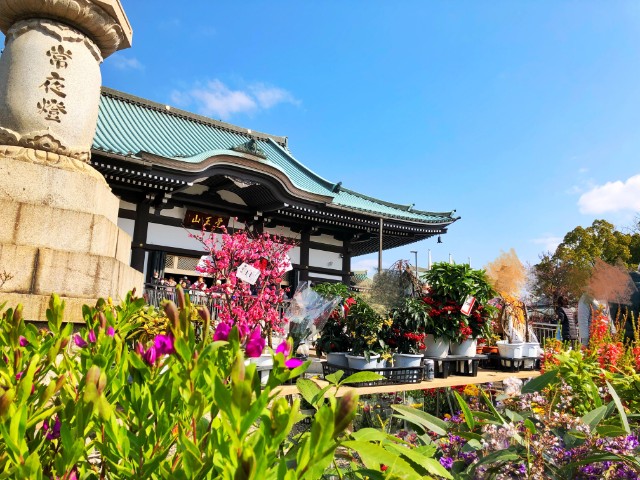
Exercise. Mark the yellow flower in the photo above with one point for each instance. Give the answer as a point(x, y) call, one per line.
point(471, 390)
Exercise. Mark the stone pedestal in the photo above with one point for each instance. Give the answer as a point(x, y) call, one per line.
point(59, 214)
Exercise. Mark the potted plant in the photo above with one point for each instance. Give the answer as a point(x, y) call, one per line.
point(335, 339)
point(250, 304)
point(406, 333)
point(460, 312)
point(364, 325)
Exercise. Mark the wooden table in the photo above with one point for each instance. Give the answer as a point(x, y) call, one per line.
point(484, 376)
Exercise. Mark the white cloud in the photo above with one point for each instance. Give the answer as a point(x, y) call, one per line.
point(270, 96)
point(548, 241)
point(583, 170)
point(215, 99)
point(612, 197)
point(126, 63)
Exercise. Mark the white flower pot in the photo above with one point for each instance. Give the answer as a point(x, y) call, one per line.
point(531, 349)
point(466, 348)
point(407, 360)
point(436, 347)
point(510, 350)
point(360, 363)
point(265, 361)
point(337, 358)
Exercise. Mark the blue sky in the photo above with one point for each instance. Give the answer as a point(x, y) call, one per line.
point(524, 116)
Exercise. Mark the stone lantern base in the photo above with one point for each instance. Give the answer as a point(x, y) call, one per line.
point(61, 234)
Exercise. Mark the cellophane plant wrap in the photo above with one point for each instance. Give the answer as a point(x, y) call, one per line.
point(248, 307)
point(308, 312)
point(334, 336)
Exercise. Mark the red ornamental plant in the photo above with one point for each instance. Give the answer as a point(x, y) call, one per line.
point(253, 309)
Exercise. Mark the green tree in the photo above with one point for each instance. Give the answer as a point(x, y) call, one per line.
point(568, 270)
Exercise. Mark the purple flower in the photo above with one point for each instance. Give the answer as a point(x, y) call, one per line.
point(222, 331)
point(23, 341)
point(255, 344)
point(92, 336)
point(164, 344)
point(151, 355)
point(111, 332)
point(52, 431)
point(19, 375)
point(79, 341)
point(446, 462)
point(293, 363)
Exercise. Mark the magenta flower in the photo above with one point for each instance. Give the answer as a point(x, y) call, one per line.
point(222, 331)
point(284, 348)
point(19, 375)
point(23, 341)
point(52, 431)
point(164, 344)
point(255, 343)
point(92, 336)
point(139, 349)
point(293, 363)
point(111, 332)
point(151, 355)
point(79, 341)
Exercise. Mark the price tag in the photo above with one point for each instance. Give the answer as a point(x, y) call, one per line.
point(287, 264)
point(467, 305)
point(247, 273)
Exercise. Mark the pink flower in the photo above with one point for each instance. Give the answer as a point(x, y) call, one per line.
point(92, 336)
point(53, 431)
point(23, 341)
point(164, 344)
point(255, 344)
point(293, 363)
point(151, 355)
point(111, 332)
point(79, 341)
point(284, 348)
point(139, 349)
point(222, 331)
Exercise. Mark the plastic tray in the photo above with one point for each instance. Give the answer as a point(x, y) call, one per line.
point(392, 375)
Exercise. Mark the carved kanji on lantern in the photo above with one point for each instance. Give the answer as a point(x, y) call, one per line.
point(59, 56)
point(54, 84)
point(52, 109)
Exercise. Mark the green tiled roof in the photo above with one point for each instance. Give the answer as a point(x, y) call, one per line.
point(129, 126)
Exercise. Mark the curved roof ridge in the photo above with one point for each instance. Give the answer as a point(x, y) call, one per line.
point(406, 208)
point(177, 112)
point(327, 183)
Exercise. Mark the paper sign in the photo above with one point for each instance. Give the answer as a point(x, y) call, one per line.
point(247, 273)
point(204, 262)
point(467, 305)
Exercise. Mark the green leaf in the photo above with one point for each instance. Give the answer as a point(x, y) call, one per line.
point(182, 348)
point(623, 416)
point(363, 376)
point(593, 417)
point(538, 383)
point(308, 389)
point(334, 377)
point(422, 419)
point(370, 435)
point(610, 431)
point(426, 461)
point(468, 416)
point(374, 455)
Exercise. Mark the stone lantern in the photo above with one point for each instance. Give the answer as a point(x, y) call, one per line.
point(59, 216)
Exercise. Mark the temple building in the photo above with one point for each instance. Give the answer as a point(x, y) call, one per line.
point(173, 170)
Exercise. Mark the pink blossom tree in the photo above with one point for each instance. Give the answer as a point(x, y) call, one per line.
point(249, 308)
